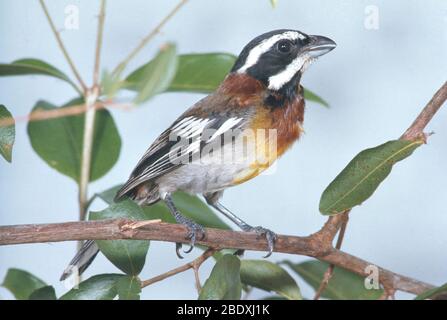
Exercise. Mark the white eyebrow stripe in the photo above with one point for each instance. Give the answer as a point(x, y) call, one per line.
point(278, 80)
point(265, 45)
point(227, 125)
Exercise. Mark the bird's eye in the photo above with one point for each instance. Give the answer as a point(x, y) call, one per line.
point(284, 46)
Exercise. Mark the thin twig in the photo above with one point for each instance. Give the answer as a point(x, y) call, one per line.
point(101, 17)
point(197, 278)
point(195, 265)
point(89, 121)
point(416, 130)
point(41, 115)
point(62, 46)
point(330, 270)
point(147, 38)
point(86, 157)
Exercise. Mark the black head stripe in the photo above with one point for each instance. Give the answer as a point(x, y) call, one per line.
point(252, 44)
point(270, 63)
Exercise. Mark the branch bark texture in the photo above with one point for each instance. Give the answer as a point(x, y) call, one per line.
point(317, 245)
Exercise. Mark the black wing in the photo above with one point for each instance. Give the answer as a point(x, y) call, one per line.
point(169, 150)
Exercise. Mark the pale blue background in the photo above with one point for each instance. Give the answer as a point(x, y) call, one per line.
point(376, 82)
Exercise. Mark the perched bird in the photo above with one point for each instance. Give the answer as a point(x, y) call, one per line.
point(230, 136)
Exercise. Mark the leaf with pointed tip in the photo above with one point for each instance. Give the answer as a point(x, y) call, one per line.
point(7, 134)
point(59, 141)
point(224, 282)
point(21, 283)
point(310, 96)
point(129, 288)
point(439, 293)
point(269, 276)
point(344, 285)
point(99, 287)
point(127, 255)
point(110, 84)
point(363, 175)
point(157, 76)
point(202, 72)
point(44, 293)
point(30, 66)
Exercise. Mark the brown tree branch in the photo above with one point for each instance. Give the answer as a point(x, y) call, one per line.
point(330, 270)
point(416, 130)
point(317, 245)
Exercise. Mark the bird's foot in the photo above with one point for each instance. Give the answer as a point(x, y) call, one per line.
point(269, 235)
point(195, 231)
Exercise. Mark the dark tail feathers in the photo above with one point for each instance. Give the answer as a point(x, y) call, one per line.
point(81, 260)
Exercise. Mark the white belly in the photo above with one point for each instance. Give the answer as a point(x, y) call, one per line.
point(211, 172)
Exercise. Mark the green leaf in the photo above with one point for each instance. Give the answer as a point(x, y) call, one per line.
point(190, 206)
point(7, 134)
point(99, 287)
point(59, 141)
point(202, 72)
point(274, 3)
point(21, 283)
point(310, 96)
point(344, 285)
point(363, 175)
point(32, 66)
point(157, 76)
point(127, 255)
point(129, 288)
point(269, 276)
point(108, 195)
point(224, 282)
point(44, 293)
point(439, 293)
point(110, 84)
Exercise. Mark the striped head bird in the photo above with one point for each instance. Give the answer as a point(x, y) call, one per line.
point(230, 136)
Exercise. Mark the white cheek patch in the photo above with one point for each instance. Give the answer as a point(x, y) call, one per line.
point(300, 63)
point(266, 45)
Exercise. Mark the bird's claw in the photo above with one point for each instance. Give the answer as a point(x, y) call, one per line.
point(269, 235)
point(193, 230)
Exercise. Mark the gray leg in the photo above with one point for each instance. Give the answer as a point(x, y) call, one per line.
point(260, 231)
point(193, 228)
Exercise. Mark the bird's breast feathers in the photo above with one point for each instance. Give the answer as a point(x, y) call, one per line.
point(237, 141)
point(274, 132)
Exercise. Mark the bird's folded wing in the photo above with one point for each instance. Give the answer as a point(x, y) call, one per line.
point(175, 146)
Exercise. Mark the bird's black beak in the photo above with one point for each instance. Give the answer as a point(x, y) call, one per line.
point(319, 46)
